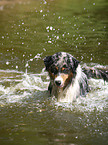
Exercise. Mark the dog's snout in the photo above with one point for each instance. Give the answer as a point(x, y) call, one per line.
point(58, 83)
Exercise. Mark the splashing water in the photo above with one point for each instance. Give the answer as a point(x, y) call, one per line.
point(38, 56)
point(17, 86)
point(20, 85)
point(96, 99)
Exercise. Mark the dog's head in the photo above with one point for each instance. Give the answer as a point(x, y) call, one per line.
point(61, 67)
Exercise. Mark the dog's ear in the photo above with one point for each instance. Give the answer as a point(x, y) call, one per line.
point(48, 61)
point(74, 64)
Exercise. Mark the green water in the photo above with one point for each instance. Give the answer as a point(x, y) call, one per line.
point(30, 30)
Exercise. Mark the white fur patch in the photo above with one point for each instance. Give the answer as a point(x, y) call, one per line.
point(60, 61)
point(59, 78)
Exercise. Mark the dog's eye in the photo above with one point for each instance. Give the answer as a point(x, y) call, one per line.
point(64, 70)
point(54, 70)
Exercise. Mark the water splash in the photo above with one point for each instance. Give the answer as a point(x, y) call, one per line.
point(38, 56)
point(95, 100)
point(17, 86)
point(20, 85)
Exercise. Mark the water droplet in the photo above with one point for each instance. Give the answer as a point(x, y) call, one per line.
point(45, 2)
point(27, 64)
point(51, 28)
point(31, 59)
point(91, 59)
point(16, 66)
point(98, 43)
point(44, 49)
point(7, 63)
point(49, 41)
point(57, 37)
point(41, 11)
point(47, 27)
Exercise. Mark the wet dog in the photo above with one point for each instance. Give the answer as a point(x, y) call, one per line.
point(67, 79)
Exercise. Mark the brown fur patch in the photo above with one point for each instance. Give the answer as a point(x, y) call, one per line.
point(62, 68)
point(56, 67)
point(67, 78)
point(64, 77)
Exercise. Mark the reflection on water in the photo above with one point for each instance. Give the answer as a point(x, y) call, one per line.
point(30, 30)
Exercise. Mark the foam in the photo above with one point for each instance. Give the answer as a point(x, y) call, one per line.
point(22, 86)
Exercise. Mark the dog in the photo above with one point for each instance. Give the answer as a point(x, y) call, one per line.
point(68, 80)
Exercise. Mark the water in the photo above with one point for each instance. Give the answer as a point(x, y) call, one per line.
point(30, 30)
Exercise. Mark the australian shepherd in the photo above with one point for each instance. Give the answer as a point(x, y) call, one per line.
point(68, 80)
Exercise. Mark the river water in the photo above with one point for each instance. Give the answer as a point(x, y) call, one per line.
point(31, 30)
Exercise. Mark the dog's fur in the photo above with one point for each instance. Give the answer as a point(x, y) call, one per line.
point(67, 79)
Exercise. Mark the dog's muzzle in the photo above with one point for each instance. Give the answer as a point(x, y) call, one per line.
point(59, 81)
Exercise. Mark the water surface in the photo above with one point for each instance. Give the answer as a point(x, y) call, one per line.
point(30, 30)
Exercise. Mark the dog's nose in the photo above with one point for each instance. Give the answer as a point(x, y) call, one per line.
point(58, 83)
